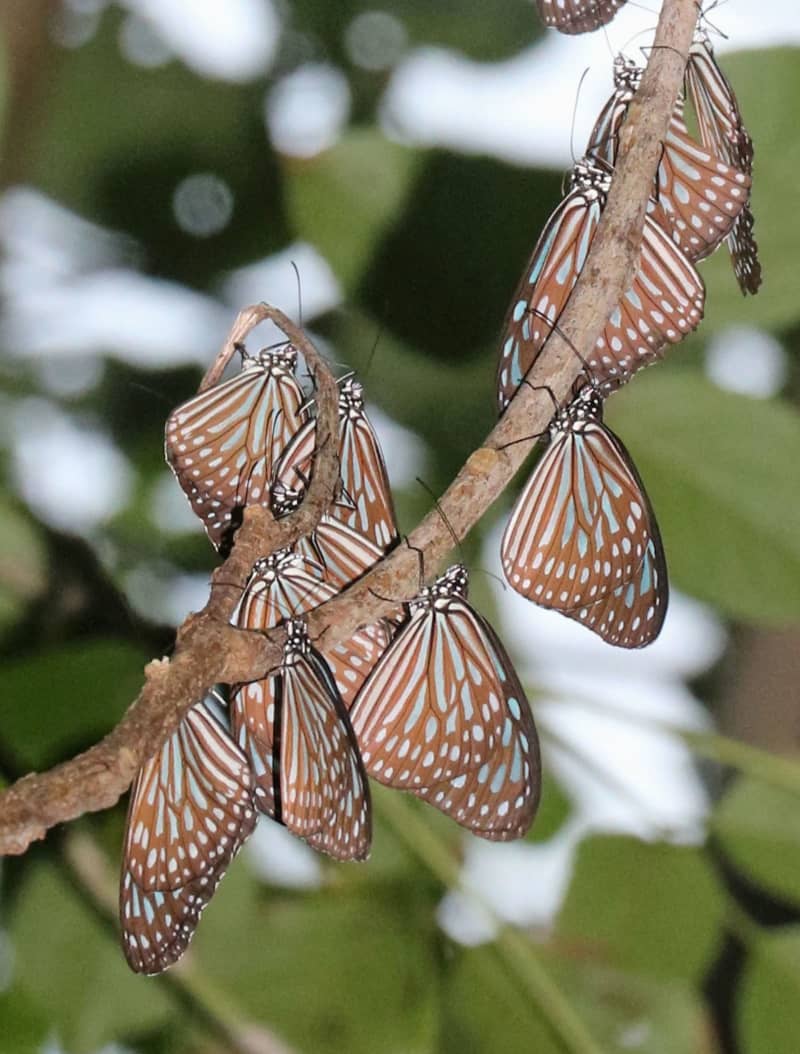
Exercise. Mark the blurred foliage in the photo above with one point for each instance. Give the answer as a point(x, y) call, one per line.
point(426, 245)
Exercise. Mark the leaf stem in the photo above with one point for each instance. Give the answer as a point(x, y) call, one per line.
point(513, 948)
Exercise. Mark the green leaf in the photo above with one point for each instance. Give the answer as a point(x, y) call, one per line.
point(768, 1012)
point(554, 809)
point(56, 701)
point(652, 909)
point(759, 829)
point(721, 471)
point(483, 1010)
point(626, 1011)
point(351, 968)
point(68, 964)
point(442, 277)
point(756, 76)
point(343, 200)
point(25, 1024)
point(484, 29)
point(22, 563)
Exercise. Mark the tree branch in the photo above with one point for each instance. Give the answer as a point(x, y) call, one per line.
point(208, 650)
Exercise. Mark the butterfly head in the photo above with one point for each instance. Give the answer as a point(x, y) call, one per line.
point(627, 76)
point(585, 408)
point(453, 583)
point(351, 398)
point(269, 568)
point(591, 177)
point(284, 499)
point(282, 359)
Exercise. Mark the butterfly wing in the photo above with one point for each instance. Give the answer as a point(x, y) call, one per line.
point(577, 16)
point(189, 803)
point(545, 287)
point(352, 660)
point(281, 587)
point(223, 443)
point(344, 554)
point(665, 302)
point(191, 810)
point(442, 714)
point(369, 508)
point(582, 531)
point(699, 195)
point(309, 776)
point(294, 467)
point(721, 130)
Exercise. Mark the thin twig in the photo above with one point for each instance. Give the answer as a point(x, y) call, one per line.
point(208, 650)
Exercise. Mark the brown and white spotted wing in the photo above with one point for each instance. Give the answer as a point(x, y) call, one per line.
point(722, 130)
point(295, 730)
point(699, 192)
point(665, 302)
point(577, 16)
point(582, 538)
point(223, 444)
point(443, 715)
point(352, 660)
point(190, 812)
point(369, 506)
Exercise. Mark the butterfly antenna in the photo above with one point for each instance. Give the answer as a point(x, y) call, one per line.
point(296, 270)
point(575, 114)
point(442, 514)
point(375, 343)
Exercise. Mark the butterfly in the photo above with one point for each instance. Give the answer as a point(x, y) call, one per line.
point(295, 731)
point(365, 503)
point(343, 553)
point(352, 660)
point(721, 129)
point(191, 809)
point(443, 715)
point(582, 538)
point(223, 444)
point(577, 16)
point(697, 197)
point(663, 304)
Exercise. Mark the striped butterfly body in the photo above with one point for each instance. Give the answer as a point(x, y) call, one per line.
point(664, 303)
point(582, 538)
point(191, 810)
point(719, 122)
point(577, 16)
point(443, 715)
point(223, 444)
point(365, 503)
point(698, 196)
point(295, 731)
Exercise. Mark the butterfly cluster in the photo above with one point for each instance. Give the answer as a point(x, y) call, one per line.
point(427, 701)
point(582, 538)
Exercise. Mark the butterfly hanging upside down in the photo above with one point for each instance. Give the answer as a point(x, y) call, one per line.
point(582, 538)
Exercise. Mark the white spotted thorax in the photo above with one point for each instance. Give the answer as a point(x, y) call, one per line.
point(297, 643)
point(272, 359)
point(627, 76)
point(586, 407)
point(351, 398)
point(453, 583)
point(592, 178)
